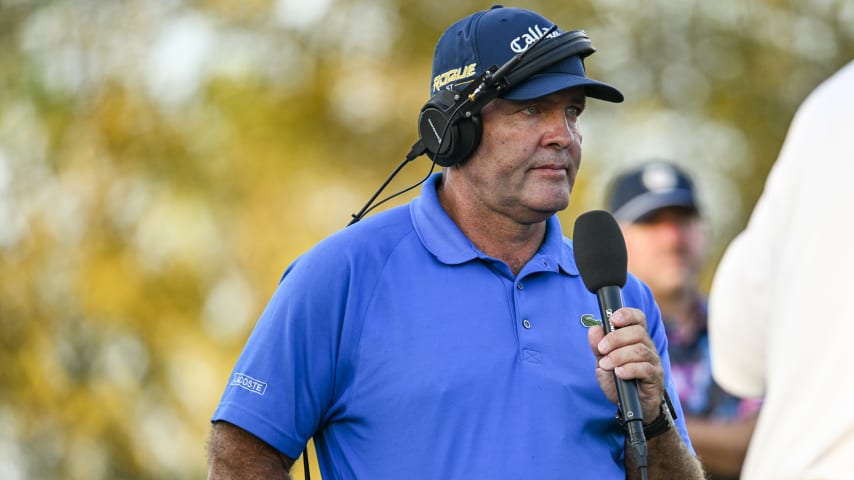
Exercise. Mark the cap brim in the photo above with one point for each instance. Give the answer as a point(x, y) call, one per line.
point(644, 204)
point(544, 84)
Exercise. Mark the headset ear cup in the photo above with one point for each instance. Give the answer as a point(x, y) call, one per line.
point(470, 131)
point(448, 138)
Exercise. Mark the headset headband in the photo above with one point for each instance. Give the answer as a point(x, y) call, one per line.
point(548, 52)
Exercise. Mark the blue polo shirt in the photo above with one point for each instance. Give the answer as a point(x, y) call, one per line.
point(408, 353)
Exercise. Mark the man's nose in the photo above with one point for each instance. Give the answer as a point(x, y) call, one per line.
point(561, 130)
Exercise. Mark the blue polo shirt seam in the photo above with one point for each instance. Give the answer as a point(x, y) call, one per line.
point(361, 318)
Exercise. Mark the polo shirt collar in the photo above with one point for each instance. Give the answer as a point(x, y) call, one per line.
point(441, 236)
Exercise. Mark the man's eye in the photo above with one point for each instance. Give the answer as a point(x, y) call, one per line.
point(573, 111)
point(530, 110)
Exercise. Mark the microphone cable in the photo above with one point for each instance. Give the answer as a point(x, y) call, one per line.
point(416, 151)
point(411, 156)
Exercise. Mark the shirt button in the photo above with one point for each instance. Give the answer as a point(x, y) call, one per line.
point(519, 286)
point(526, 324)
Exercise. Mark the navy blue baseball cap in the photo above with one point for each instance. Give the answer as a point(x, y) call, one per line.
point(494, 36)
point(641, 191)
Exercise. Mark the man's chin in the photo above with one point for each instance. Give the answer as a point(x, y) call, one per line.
point(552, 206)
point(543, 212)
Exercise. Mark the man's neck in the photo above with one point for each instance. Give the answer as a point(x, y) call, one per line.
point(514, 246)
point(494, 234)
point(678, 308)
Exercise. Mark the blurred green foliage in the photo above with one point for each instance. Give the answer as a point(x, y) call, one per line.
point(162, 162)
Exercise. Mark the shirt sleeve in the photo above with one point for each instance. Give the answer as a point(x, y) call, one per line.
point(286, 381)
point(740, 307)
point(735, 343)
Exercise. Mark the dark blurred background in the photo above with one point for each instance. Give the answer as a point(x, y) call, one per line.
point(161, 162)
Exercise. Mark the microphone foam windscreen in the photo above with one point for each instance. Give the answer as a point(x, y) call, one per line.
point(600, 251)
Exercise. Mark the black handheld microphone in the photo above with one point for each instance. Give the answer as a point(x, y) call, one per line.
point(600, 253)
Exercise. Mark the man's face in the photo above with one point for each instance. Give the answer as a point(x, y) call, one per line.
point(667, 249)
point(529, 155)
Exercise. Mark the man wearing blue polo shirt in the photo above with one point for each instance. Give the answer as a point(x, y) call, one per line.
point(451, 338)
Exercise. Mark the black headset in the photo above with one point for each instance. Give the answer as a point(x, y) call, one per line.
point(449, 126)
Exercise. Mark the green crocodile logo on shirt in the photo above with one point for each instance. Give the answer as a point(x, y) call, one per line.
point(588, 320)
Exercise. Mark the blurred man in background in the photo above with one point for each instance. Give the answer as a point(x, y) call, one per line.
point(667, 240)
point(779, 321)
